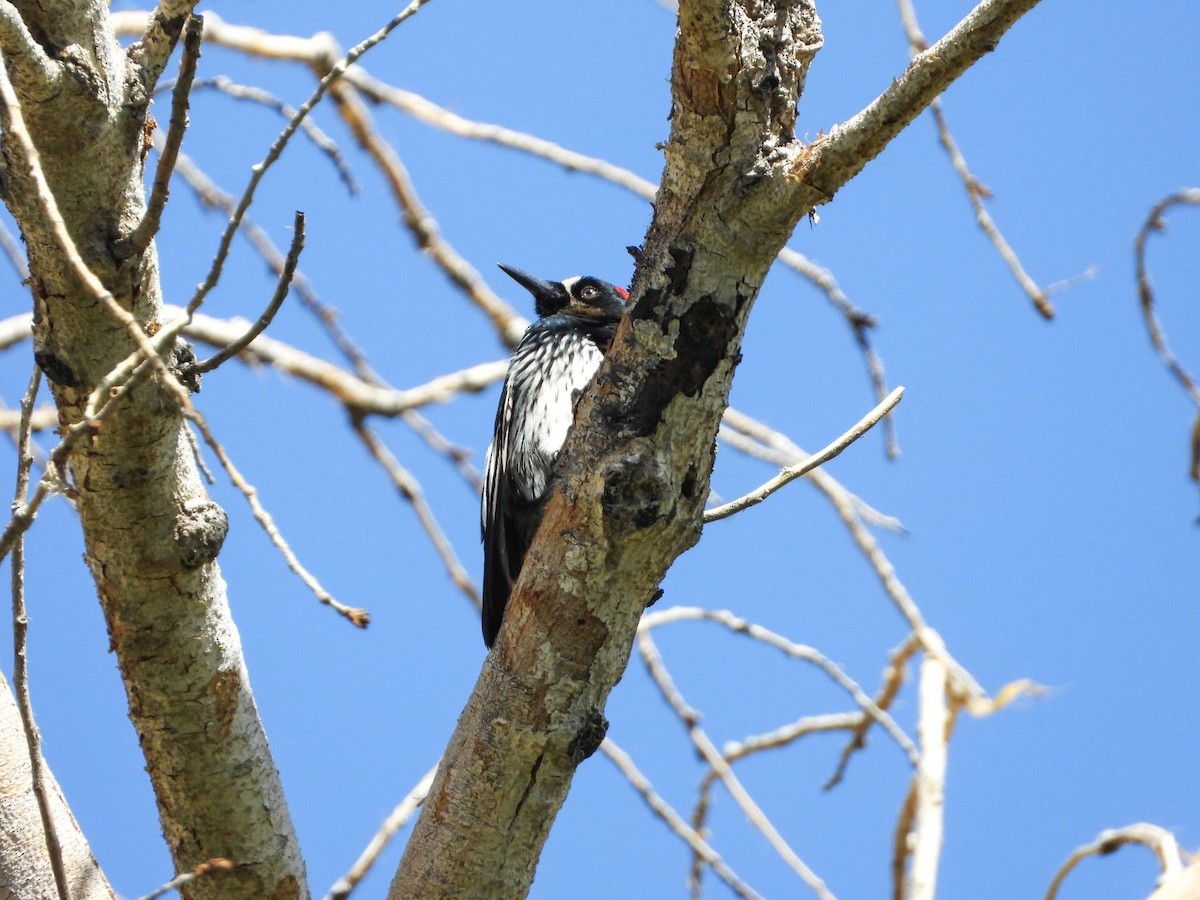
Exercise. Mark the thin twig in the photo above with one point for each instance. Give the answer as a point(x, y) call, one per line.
point(410, 489)
point(735, 750)
point(1154, 837)
point(358, 396)
point(281, 291)
point(861, 323)
point(893, 680)
point(436, 441)
point(756, 632)
point(976, 191)
point(151, 53)
point(791, 473)
point(420, 222)
point(793, 731)
point(212, 196)
point(701, 849)
point(691, 719)
point(198, 455)
point(208, 867)
point(260, 169)
point(358, 617)
point(1154, 222)
point(320, 139)
point(398, 818)
point(20, 620)
point(1071, 280)
point(140, 238)
point(757, 439)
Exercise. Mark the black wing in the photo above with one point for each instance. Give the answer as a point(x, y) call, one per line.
point(508, 522)
point(496, 496)
point(515, 490)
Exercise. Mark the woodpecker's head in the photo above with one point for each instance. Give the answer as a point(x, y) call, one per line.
point(580, 295)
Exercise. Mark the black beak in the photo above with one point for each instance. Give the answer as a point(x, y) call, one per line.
point(549, 297)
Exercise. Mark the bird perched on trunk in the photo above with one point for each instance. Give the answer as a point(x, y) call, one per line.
point(557, 357)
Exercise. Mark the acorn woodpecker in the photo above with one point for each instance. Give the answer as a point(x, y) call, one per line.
point(555, 360)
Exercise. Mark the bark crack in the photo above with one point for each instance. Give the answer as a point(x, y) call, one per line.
point(529, 786)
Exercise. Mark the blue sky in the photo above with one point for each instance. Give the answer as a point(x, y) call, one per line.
point(1051, 527)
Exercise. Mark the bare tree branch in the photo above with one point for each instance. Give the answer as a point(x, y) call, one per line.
point(923, 842)
point(410, 489)
point(421, 224)
point(398, 818)
point(712, 756)
point(41, 76)
point(1155, 838)
point(137, 242)
point(209, 867)
point(276, 150)
point(233, 348)
point(151, 53)
point(360, 397)
point(791, 473)
point(327, 145)
point(738, 625)
point(976, 191)
point(831, 161)
point(20, 618)
point(702, 851)
point(1146, 294)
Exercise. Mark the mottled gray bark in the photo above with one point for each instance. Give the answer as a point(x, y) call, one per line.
point(635, 473)
point(151, 533)
point(25, 868)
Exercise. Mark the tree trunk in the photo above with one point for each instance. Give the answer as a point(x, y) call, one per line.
point(151, 533)
point(634, 476)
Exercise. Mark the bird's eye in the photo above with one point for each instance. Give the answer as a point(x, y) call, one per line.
point(588, 293)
